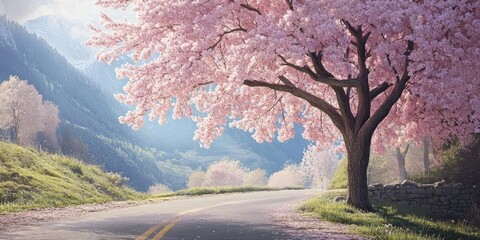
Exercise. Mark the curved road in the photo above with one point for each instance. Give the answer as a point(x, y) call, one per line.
point(228, 216)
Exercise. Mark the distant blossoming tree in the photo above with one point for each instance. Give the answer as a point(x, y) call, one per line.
point(227, 173)
point(319, 166)
point(339, 68)
point(23, 114)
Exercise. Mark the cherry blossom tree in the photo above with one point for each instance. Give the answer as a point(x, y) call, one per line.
point(339, 68)
point(23, 114)
point(20, 105)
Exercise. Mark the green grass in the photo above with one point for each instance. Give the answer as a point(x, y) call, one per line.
point(30, 179)
point(204, 191)
point(388, 222)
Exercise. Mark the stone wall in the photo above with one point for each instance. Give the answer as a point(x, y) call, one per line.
point(451, 200)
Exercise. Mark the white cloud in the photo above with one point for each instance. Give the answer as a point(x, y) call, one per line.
point(77, 12)
point(20, 10)
point(80, 11)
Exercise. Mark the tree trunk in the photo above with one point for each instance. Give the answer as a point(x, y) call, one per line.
point(426, 159)
point(401, 162)
point(358, 151)
point(14, 134)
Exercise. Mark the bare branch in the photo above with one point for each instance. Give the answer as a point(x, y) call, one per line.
point(379, 90)
point(202, 84)
point(396, 93)
point(318, 65)
point(349, 26)
point(327, 80)
point(250, 8)
point(404, 153)
point(313, 100)
point(290, 4)
point(286, 81)
point(393, 67)
point(225, 33)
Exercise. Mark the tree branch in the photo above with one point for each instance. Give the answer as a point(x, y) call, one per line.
point(349, 26)
point(318, 65)
point(250, 8)
point(393, 67)
point(344, 106)
point(404, 153)
point(364, 102)
point(290, 4)
point(202, 84)
point(379, 90)
point(313, 100)
point(396, 93)
point(326, 80)
point(286, 81)
point(225, 33)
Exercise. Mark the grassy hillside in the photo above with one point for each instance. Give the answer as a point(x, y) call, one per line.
point(32, 179)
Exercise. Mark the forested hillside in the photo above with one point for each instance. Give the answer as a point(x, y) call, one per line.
point(89, 124)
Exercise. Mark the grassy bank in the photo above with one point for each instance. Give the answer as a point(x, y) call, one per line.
point(388, 222)
point(204, 191)
point(30, 179)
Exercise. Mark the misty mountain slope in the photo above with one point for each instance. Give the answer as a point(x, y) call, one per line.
point(85, 111)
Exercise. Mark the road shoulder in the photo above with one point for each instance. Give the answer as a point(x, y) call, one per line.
point(304, 226)
point(11, 221)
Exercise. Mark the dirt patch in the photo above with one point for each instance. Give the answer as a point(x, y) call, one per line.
point(303, 226)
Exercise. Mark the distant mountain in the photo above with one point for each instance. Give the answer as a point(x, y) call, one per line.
point(174, 138)
point(63, 36)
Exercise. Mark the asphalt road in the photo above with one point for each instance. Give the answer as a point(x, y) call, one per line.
point(229, 216)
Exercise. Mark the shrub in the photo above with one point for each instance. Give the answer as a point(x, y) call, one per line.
point(256, 178)
point(117, 179)
point(289, 176)
point(224, 173)
point(196, 179)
